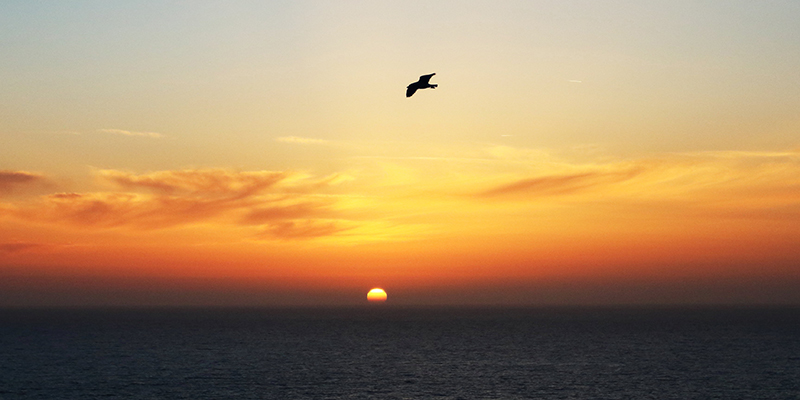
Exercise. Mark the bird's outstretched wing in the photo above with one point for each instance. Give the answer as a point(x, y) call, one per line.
point(424, 79)
point(411, 89)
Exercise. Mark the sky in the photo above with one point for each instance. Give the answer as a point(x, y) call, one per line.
point(242, 153)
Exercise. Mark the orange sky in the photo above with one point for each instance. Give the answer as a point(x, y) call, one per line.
point(250, 154)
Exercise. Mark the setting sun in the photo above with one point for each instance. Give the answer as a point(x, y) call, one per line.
point(376, 295)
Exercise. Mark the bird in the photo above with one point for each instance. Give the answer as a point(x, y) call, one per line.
point(422, 83)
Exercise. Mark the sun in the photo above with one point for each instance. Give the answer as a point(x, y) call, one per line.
point(376, 295)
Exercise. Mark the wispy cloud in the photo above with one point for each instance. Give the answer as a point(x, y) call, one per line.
point(130, 133)
point(412, 197)
point(198, 182)
point(304, 229)
point(560, 184)
point(274, 201)
point(300, 140)
point(285, 212)
point(11, 179)
point(714, 184)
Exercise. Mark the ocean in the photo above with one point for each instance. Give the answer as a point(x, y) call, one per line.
point(401, 353)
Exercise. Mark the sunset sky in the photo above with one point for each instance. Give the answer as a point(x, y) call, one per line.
point(264, 153)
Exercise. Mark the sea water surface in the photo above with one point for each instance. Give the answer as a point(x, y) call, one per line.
point(401, 353)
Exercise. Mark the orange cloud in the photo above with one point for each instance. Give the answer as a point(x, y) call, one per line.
point(257, 216)
point(560, 184)
point(200, 183)
point(12, 179)
point(282, 202)
point(303, 229)
point(720, 183)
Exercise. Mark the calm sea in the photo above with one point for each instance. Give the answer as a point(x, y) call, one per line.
point(390, 353)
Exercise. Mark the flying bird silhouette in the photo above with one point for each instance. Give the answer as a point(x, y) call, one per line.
point(422, 83)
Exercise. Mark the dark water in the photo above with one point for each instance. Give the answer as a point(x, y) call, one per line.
point(401, 354)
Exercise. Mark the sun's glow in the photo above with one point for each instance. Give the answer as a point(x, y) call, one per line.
point(376, 295)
